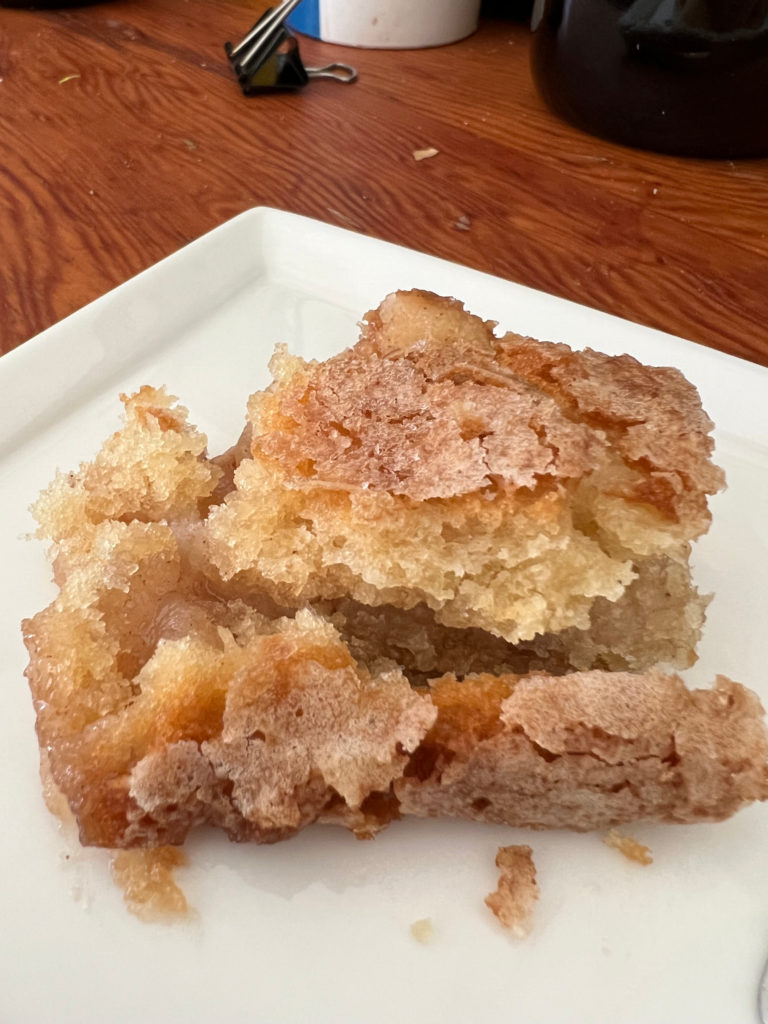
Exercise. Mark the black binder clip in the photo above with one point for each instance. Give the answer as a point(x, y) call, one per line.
point(268, 58)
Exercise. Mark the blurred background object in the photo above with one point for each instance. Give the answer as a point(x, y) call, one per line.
point(387, 24)
point(677, 76)
point(513, 10)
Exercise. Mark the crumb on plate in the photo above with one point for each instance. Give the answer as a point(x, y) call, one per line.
point(629, 847)
point(146, 878)
point(423, 931)
point(514, 899)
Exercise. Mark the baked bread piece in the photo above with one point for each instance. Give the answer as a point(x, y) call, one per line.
point(168, 698)
point(506, 485)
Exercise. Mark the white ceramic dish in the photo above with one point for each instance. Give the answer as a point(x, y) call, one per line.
point(317, 929)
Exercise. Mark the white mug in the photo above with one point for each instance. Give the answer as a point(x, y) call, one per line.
point(387, 24)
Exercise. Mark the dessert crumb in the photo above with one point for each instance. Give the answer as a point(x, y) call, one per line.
point(629, 847)
point(146, 878)
point(518, 891)
point(423, 931)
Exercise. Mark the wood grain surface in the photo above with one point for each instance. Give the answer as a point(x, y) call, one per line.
point(123, 135)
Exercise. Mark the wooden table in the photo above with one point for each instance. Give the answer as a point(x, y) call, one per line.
point(123, 135)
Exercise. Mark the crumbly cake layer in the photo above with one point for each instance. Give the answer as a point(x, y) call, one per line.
point(163, 707)
point(657, 620)
point(504, 484)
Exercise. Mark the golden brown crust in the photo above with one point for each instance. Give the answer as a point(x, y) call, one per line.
point(588, 750)
point(164, 707)
point(652, 415)
point(159, 717)
point(391, 425)
point(407, 319)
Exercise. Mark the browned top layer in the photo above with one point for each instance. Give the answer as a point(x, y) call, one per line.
point(429, 404)
point(652, 414)
point(388, 424)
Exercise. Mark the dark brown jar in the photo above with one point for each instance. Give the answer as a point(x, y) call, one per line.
point(676, 76)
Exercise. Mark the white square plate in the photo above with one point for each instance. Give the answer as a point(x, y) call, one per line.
point(318, 929)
